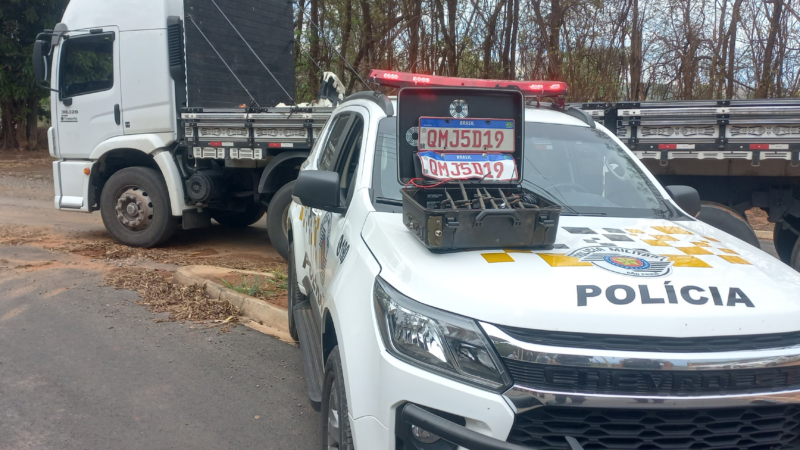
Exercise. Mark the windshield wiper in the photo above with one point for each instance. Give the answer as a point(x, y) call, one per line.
point(545, 194)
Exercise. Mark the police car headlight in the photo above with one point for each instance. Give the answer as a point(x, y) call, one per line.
point(436, 340)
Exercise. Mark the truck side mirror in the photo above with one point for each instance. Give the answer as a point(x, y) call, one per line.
point(41, 50)
point(318, 189)
point(686, 197)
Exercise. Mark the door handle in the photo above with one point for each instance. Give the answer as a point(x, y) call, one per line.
point(117, 114)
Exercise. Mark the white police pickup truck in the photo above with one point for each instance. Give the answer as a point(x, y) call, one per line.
point(638, 327)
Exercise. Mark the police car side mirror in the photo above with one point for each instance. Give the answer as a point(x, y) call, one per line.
point(686, 197)
point(40, 69)
point(318, 189)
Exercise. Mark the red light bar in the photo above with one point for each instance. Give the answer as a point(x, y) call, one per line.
point(391, 78)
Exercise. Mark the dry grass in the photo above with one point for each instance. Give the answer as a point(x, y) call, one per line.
point(183, 303)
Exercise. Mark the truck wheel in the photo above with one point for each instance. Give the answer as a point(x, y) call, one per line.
point(135, 208)
point(336, 433)
point(720, 216)
point(252, 213)
point(277, 214)
point(784, 241)
point(294, 295)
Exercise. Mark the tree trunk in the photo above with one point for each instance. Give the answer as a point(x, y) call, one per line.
point(298, 27)
point(554, 44)
point(512, 74)
point(32, 122)
point(413, 32)
point(348, 26)
point(488, 43)
point(507, 41)
point(732, 47)
point(636, 55)
point(368, 32)
point(768, 73)
point(313, 76)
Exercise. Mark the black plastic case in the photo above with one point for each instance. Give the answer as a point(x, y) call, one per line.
point(498, 221)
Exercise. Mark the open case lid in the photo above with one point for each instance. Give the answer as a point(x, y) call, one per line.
point(459, 106)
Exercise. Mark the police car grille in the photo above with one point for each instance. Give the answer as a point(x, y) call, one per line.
point(752, 428)
point(652, 343)
point(662, 383)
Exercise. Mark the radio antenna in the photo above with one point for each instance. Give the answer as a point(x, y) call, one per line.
point(223, 60)
point(334, 49)
point(252, 51)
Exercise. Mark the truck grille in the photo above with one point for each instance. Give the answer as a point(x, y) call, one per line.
point(653, 343)
point(641, 381)
point(749, 428)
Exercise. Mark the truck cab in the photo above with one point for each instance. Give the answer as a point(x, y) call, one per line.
point(159, 122)
point(638, 326)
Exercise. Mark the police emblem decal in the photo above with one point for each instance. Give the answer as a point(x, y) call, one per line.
point(625, 261)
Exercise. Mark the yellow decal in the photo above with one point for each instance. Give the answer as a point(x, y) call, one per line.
point(727, 250)
point(556, 260)
point(734, 259)
point(656, 242)
point(634, 231)
point(694, 250)
point(302, 212)
point(710, 239)
point(511, 250)
point(497, 257)
point(663, 237)
point(687, 261)
point(701, 244)
point(672, 230)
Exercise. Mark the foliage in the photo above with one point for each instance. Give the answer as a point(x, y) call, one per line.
point(20, 22)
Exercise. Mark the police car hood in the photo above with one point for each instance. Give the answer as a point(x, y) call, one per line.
point(604, 275)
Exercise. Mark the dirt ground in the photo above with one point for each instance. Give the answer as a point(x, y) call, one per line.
point(28, 217)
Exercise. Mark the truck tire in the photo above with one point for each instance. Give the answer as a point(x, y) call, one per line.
point(294, 296)
point(252, 213)
point(277, 213)
point(135, 208)
point(336, 432)
point(720, 216)
point(784, 241)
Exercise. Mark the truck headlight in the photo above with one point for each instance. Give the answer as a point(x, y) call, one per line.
point(436, 340)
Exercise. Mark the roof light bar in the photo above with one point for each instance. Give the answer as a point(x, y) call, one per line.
point(391, 78)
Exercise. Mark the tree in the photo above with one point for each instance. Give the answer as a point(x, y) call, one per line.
point(20, 22)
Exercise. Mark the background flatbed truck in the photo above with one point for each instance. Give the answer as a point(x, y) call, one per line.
point(738, 154)
point(162, 114)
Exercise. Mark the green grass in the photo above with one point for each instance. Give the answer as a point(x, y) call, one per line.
point(258, 286)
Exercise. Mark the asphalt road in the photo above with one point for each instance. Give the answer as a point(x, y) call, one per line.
point(83, 367)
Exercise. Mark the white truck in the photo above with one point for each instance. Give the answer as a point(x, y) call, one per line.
point(638, 327)
point(163, 114)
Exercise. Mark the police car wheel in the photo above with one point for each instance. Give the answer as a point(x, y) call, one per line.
point(135, 207)
point(336, 432)
point(294, 296)
point(726, 219)
point(277, 213)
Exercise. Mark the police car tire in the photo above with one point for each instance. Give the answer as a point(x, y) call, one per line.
point(334, 376)
point(720, 216)
point(150, 181)
point(275, 228)
point(252, 213)
point(784, 241)
point(294, 296)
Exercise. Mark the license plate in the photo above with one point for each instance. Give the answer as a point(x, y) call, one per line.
point(454, 166)
point(466, 135)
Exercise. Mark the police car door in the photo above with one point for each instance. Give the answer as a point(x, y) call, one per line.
point(341, 154)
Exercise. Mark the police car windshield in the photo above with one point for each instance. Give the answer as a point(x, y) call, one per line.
point(578, 167)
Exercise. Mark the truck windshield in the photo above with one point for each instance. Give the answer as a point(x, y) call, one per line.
point(582, 169)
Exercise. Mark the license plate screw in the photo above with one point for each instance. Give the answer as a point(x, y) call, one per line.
point(438, 233)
